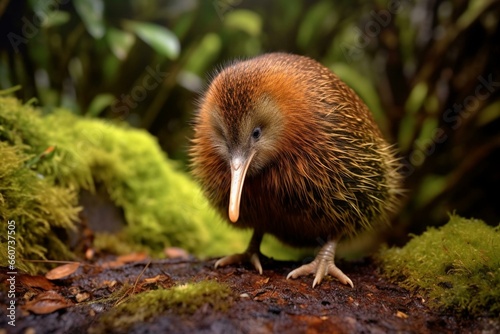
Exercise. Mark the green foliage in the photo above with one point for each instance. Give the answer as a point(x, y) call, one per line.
point(244, 20)
point(162, 40)
point(181, 299)
point(91, 13)
point(457, 266)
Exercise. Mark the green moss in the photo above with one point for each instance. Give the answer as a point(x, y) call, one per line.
point(457, 266)
point(20, 126)
point(41, 212)
point(181, 299)
point(157, 200)
point(162, 205)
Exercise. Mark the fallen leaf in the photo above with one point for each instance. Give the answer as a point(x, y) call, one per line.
point(47, 302)
point(401, 315)
point(30, 294)
point(49, 150)
point(124, 259)
point(161, 280)
point(133, 257)
point(37, 281)
point(80, 297)
point(62, 271)
point(152, 279)
point(30, 330)
point(89, 253)
point(109, 284)
point(176, 253)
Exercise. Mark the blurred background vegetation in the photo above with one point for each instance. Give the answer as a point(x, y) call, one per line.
point(427, 69)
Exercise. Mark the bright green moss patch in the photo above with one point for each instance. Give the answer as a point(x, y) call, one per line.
point(457, 266)
point(161, 205)
point(181, 299)
point(39, 212)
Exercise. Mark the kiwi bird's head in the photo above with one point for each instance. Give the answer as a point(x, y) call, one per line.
point(251, 114)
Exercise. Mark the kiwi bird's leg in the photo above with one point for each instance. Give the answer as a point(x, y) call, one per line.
point(250, 255)
point(322, 265)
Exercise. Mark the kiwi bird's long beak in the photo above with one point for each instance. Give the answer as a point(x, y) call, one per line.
point(239, 167)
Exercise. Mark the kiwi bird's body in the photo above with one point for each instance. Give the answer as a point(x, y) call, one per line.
point(284, 146)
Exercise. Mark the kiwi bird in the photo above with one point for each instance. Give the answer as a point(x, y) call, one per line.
point(282, 146)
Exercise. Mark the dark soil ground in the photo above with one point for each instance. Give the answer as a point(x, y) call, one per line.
point(265, 303)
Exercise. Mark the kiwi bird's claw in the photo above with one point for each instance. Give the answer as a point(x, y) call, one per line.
point(252, 254)
point(306, 269)
point(334, 271)
point(253, 258)
point(320, 268)
point(322, 265)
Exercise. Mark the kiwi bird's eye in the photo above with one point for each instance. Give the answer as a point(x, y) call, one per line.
point(218, 130)
point(256, 133)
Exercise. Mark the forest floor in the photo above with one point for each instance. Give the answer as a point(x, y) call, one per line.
point(267, 303)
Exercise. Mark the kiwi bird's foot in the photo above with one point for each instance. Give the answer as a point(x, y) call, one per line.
point(252, 257)
point(322, 265)
point(252, 254)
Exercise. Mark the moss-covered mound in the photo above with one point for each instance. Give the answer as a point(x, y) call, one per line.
point(181, 299)
point(457, 266)
point(161, 205)
point(36, 211)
